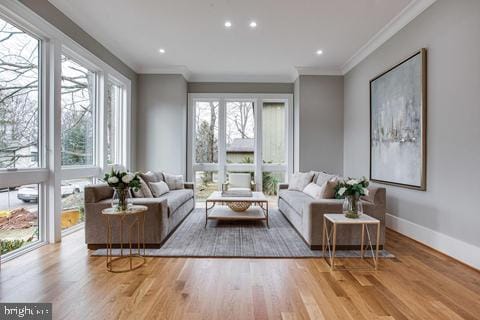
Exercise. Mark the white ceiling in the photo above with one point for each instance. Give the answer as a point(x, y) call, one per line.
point(288, 34)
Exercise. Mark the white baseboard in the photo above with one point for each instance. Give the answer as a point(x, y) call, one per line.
point(457, 249)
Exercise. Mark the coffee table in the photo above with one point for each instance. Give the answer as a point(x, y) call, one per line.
point(215, 208)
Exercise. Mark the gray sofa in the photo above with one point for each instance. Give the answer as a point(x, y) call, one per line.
point(306, 215)
point(164, 214)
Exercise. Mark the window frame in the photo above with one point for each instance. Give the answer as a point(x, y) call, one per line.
point(10, 177)
point(53, 42)
point(257, 167)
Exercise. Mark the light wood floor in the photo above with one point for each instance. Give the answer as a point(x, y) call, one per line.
point(419, 284)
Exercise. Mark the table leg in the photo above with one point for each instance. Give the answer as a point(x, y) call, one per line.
point(324, 236)
point(332, 261)
point(206, 213)
point(109, 244)
point(268, 225)
point(378, 246)
point(121, 236)
point(362, 241)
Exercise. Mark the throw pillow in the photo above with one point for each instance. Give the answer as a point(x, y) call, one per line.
point(144, 191)
point(151, 176)
point(174, 182)
point(328, 189)
point(323, 177)
point(313, 190)
point(299, 181)
point(158, 188)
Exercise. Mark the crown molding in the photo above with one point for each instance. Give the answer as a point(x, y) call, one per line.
point(183, 70)
point(315, 71)
point(410, 12)
point(280, 78)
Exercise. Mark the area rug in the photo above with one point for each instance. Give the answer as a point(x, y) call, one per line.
point(249, 239)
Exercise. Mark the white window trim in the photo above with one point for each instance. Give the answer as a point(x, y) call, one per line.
point(258, 165)
point(54, 42)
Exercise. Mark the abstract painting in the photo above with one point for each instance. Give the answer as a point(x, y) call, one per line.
point(398, 124)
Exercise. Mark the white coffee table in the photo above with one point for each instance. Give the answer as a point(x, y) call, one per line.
point(215, 208)
point(331, 236)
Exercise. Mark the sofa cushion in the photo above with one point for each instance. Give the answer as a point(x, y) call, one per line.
point(296, 199)
point(158, 188)
point(313, 190)
point(144, 190)
point(176, 198)
point(174, 182)
point(151, 176)
point(322, 177)
point(300, 180)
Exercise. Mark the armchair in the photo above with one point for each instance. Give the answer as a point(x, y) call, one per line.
point(239, 181)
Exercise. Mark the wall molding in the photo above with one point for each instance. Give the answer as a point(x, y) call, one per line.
point(410, 12)
point(183, 70)
point(457, 249)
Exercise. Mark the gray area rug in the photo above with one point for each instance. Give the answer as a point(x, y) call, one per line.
point(238, 239)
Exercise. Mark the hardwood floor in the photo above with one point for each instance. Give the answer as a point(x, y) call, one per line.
point(418, 284)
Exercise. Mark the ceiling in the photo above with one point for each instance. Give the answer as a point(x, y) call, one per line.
point(287, 36)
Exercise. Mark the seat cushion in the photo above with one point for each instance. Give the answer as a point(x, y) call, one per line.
point(176, 198)
point(296, 199)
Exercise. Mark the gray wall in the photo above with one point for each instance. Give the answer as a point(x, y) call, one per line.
point(318, 119)
point(55, 17)
point(162, 123)
point(450, 31)
point(239, 87)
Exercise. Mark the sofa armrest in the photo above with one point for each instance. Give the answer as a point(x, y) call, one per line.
point(189, 185)
point(282, 186)
point(97, 192)
point(156, 221)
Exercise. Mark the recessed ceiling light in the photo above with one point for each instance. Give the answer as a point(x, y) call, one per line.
point(228, 24)
point(162, 51)
point(253, 24)
point(319, 52)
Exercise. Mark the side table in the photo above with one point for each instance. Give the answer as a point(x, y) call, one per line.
point(137, 213)
point(331, 236)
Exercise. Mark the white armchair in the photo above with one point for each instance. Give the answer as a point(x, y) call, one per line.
point(239, 181)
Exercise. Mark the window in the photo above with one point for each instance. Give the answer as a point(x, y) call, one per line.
point(19, 216)
point(19, 98)
point(206, 182)
point(115, 121)
point(206, 132)
point(73, 210)
point(78, 117)
point(230, 135)
point(91, 131)
point(240, 132)
point(274, 132)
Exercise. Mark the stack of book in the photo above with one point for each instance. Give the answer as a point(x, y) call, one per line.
point(236, 193)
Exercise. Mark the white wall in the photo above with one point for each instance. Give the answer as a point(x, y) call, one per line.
point(449, 209)
point(162, 123)
point(318, 123)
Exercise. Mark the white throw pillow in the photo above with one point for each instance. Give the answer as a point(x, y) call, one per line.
point(174, 182)
point(313, 190)
point(158, 188)
point(299, 180)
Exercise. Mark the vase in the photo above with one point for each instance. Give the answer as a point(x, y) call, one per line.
point(120, 199)
point(352, 207)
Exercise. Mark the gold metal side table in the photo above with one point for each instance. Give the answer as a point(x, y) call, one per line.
point(329, 238)
point(137, 213)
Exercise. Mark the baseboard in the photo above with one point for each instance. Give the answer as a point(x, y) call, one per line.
point(457, 249)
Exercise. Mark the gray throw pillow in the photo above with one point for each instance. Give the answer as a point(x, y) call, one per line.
point(323, 177)
point(174, 182)
point(144, 191)
point(298, 181)
point(158, 188)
